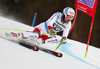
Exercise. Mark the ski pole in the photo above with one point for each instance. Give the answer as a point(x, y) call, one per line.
point(14, 29)
point(22, 30)
point(58, 46)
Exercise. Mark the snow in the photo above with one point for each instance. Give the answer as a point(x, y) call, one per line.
point(14, 56)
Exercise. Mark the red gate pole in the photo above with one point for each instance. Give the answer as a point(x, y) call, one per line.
point(89, 37)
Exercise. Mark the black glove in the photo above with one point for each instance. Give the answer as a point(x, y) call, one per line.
point(52, 32)
point(63, 40)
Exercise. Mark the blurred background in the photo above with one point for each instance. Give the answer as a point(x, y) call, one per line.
point(24, 10)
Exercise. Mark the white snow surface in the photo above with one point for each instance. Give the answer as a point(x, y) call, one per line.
point(14, 56)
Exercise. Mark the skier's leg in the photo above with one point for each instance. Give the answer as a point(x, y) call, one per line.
point(51, 40)
point(48, 39)
point(30, 34)
point(25, 35)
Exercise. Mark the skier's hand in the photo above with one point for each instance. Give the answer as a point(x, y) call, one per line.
point(52, 32)
point(63, 40)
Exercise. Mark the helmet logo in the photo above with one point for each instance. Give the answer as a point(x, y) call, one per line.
point(71, 13)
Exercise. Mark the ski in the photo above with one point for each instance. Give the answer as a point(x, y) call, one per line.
point(33, 47)
point(57, 54)
point(36, 48)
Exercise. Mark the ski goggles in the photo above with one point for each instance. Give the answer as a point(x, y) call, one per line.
point(69, 17)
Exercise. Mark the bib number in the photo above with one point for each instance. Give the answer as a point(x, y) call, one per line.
point(56, 27)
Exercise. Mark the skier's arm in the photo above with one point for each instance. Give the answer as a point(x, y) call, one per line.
point(66, 30)
point(65, 33)
point(50, 22)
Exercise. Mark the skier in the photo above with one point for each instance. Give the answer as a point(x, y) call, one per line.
point(56, 23)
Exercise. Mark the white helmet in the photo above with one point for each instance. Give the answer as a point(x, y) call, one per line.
point(68, 11)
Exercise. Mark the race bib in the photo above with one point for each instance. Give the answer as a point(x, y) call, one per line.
point(57, 27)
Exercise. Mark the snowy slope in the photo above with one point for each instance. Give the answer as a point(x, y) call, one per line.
point(14, 56)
